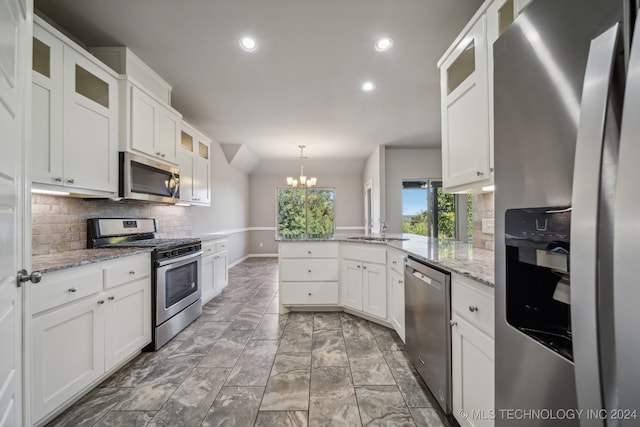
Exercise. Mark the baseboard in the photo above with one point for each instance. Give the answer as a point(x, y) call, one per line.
point(246, 257)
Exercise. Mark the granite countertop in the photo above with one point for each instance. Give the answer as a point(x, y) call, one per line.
point(68, 259)
point(450, 255)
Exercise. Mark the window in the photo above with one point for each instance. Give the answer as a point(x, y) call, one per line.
point(305, 212)
point(428, 211)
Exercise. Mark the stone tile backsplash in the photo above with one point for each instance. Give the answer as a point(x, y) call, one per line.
point(60, 223)
point(482, 209)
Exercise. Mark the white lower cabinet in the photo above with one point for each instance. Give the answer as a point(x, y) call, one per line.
point(395, 268)
point(472, 352)
point(67, 353)
point(364, 283)
point(309, 273)
point(214, 269)
point(85, 322)
point(396, 303)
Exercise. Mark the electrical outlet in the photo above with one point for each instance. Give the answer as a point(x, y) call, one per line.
point(488, 226)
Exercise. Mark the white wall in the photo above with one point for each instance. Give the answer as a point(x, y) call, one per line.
point(229, 210)
point(374, 171)
point(407, 164)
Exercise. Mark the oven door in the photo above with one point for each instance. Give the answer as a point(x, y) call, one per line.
point(178, 285)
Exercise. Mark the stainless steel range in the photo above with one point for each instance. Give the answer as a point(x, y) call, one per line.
point(177, 267)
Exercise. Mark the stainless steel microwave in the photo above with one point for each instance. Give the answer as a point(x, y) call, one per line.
point(148, 180)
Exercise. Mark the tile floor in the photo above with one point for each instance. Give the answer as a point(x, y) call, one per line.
point(244, 364)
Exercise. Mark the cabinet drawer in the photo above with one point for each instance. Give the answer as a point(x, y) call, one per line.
point(62, 287)
point(208, 248)
point(396, 261)
point(309, 250)
point(221, 246)
point(309, 293)
point(366, 253)
point(308, 270)
point(473, 303)
point(127, 270)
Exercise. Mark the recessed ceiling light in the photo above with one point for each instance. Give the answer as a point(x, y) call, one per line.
point(368, 86)
point(248, 44)
point(383, 44)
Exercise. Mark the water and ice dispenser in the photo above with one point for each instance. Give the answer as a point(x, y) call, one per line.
point(538, 275)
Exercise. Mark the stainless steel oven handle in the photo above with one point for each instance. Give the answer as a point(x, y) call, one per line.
point(180, 259)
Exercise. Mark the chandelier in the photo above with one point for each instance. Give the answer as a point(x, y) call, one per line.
point(303, 181)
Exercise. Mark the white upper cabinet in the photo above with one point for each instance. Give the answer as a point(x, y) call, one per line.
point(154, 126)
point(74, 116)
point(466, 87)
point(465, 111)
point(195, 166)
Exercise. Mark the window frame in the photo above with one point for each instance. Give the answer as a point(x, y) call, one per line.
point(306, 210)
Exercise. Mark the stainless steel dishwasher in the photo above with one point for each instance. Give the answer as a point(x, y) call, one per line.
point(428, 333)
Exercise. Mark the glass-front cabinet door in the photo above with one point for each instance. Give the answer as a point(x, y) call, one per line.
point(465, 112)
point(46, 94)
point(90, 124)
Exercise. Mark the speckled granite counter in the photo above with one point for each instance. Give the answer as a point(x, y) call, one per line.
point(450, 255)
point(61, 260)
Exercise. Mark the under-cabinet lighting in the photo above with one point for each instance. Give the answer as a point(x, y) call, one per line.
point(49, 192)
point(489, 188)
point(183, 204)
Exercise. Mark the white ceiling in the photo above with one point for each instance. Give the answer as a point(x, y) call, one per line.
point(303, 84)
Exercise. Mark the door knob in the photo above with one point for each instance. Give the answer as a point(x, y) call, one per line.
point(24, 276)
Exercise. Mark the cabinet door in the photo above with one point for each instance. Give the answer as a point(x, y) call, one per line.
point(472, 370)
point(352, 284)
point(168, 135)
point(67, 354)
point(144, 122)
point(500, 15)
point(128, 320)
point(396, 306)
point(90, 125)
point(186, 161)
point(465, 111)
point(374, 284)
point(220, 269)
point(201, 185)
point(207, 278)
point(46, 95)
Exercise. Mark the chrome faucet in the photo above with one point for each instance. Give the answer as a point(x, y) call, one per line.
point(383, 228)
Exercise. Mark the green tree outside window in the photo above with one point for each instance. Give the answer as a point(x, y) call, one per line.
point(306, 212)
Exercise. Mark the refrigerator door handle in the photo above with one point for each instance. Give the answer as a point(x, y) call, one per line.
point(626, 292)
point(584, 221)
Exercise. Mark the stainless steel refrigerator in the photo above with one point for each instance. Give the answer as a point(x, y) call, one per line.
point(567, 208)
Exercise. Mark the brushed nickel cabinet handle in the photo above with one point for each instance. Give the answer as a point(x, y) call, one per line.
point(72, 290)
point(473, 308)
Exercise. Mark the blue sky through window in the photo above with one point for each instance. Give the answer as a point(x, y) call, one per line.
point(414, 201)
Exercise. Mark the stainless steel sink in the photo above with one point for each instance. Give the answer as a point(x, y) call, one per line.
point(376, 239)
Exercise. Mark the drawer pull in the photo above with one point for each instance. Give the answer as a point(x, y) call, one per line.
point(309, 293)
point(132, 272)
point(111, 298)
point(309, 252)
point(309, 271)
point(394, 262)
point(74, 289)
point(364, 267)
point(101, 301)
point(453, 323)
point(401, 281)
point(473, 308)
point(358, 266)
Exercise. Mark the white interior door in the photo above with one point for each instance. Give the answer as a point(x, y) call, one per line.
point(14, 63)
